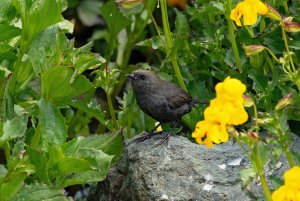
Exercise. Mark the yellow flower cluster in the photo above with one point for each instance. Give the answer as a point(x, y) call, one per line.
point(249, 10)
point(226, 109)
point(290, 191)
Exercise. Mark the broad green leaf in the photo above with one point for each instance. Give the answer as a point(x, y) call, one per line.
point(59, 85)
point(44, 51)
point(247, 175)
point(4, 8)
point(153, 42)
point(92, 109)
point(8, 32)
point(114, 19)
point(72, 165)
point(71, 147)
point(11, 187)
point(53, 127)
point(40, 162)
point(18, 170)
point(42, 14)
point(181, 24)
point(260, 81)
point(25, 74)
point(3, 171)
point(111, 144)
point(99, 163)
point(14, 128)
point(88, 12)
point(41, 192)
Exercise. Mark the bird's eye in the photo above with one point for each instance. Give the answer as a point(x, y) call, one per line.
point(143, 77)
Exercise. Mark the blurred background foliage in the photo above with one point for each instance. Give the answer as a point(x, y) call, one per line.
point(66, 106)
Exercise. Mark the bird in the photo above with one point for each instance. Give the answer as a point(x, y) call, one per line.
point(162, 100)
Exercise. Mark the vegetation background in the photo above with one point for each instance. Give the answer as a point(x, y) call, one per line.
point(66, 107)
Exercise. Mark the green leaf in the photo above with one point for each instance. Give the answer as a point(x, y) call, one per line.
point(88, 12)
point(4, 9)
point(114, 19)
point(58, 85)
point(3, 171)
point(99, 163)
point(72, 165)
point(8, 32)
point(111, 144)
point(40, 162)
point(247, 175)
point(153, 42)
point(14, 128)
point(18, 170)
point(181, 24)
point(42, 14)
point(53, 127)
point(44, 50)
point(10, 188)
point(41, 192)
point(92, 109)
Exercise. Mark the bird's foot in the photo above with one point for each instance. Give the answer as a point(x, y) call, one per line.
point(165, 139)
point(147, 136)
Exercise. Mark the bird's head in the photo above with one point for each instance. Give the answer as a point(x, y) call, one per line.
point(143, 80)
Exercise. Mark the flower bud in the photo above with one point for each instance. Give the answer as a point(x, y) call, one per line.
point(251, 50)
point(248, 101)
point(284, 102)
point(290, 26)
point(128, 3)
point(253, 135)
point(273, 13)
point(179, 3)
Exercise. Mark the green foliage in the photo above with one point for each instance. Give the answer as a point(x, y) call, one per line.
point(49, 102)
point(41, 78)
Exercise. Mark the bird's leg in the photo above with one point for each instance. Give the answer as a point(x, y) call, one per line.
point(166, 139)
point(149, 135)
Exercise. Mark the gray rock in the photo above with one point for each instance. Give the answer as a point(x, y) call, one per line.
point(180, 171)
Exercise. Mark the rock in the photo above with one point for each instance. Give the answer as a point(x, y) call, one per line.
point(180, 171)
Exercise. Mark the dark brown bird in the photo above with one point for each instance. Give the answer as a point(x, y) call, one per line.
point(162, 100)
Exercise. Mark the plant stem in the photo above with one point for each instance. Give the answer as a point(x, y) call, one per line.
point(156, 26)
point(265, 186)
point(272, 54)
point(287, 49)
point(259, 167)
point(232, 38)
point(169, 43)
point(111, 110)
point(7, 151)
point(289, 156)
point(257, 160)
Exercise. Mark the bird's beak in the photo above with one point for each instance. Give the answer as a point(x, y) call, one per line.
point(131, 76)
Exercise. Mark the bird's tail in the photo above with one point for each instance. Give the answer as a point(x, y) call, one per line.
point(196, 102)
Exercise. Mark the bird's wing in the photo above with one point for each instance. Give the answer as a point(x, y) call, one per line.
point(175, 96)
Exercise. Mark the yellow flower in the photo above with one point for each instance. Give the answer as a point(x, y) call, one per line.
point(180, 3)
point(284, 193)
point(159, 129)
point(209, 132)
point(249, 10)
point(226, 112)
point(231, 90)
point(292, 178)
point(290, 191)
